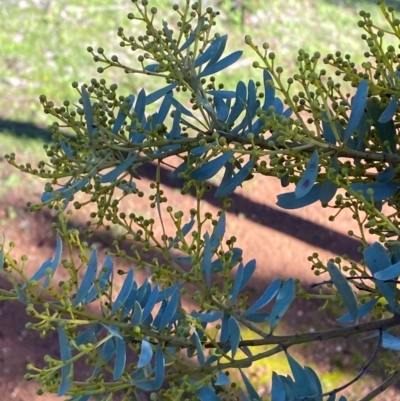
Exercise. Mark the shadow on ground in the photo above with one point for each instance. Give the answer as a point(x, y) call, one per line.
point(25, 130)
point(42, 241)
point(307, 231)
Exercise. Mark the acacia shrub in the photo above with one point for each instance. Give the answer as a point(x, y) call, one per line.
point(317, 139)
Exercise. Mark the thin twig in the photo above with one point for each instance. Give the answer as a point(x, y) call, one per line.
point(353, 278)
point(283, 341)
point(394, 378)
point(336, 390)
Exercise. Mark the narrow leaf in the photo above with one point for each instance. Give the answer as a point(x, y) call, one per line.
point(168, 33)
point(266, 297)
point(278, 392)
point(209, 169)
point(208, 53)
point(258, 317)
point(199, 150)
point(344, 289)
point(219, 49)
point(137, 314)
point(207, 317)
point(160, 313)
point(252, 104)
point(382, 190)
point(269, 95)
point(386, 131)
point(290, 201)
point(180, 107)
point(328, 131)
point(240, 102)
point(206, 264)
point(278, 104)
point(390, 110)
point(283, 301)
point(236, 284)
point(207, 394)
point(66, 370)
point(144, 293)
point(300, 376)
point(199, 348)
point(121, 117)
point(164, 110)
point(41, 272)
point(146, 384)
point(222, 379)
point(363, 310)
point(112, 330)
point(120, 359)
point(129, 304)
point(357, 109)
point(152, 67)
point(230, 185)
point(140, 106)
point(377, 259)
point(51, 266)
point(309, 176)
point(114, 174)
point(170, 310)
point(105, 354)
point(313, 382)
point(151, 302)
point(125, 291)
point(57, 255)
point(250, 389)
point(188, 41)
point(327, 192)
point(87, 108)
point(175, 132)
point(224, 336)
point(184, 231)
point(88, 335)
point(386, 175)
point(219, 231)
point(153, 97)
point(221, 108)
point(88, 279)
point(146, 354)
point(234, 334)
point(159, 367)
point(389, 273)
point(224, 94)
point(389, 341)
point(103, 278)
point(164, 294)
point(206, 105)
point(248, 271)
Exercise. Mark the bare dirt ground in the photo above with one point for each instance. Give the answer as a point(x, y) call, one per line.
point(279, 240)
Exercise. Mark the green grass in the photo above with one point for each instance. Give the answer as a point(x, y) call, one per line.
point(44, 50)
point(12, 181)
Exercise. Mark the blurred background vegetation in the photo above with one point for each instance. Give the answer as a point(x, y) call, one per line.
point(43, 49)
